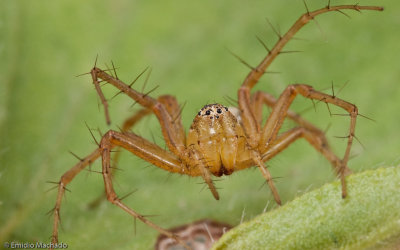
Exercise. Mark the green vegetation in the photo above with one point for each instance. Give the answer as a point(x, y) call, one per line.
point(368, 219)
point(43, 106)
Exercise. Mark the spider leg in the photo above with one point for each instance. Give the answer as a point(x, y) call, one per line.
point(174, 110)
point(66, 178)
point(133, 143)
point(127, 125)
point(317, 140)
point(170, 126)
point(267, 175)
point(207, 178)
point(259, 98)
point(250, 124)
point(171, 105)
point(145, 150)
point(279, 112)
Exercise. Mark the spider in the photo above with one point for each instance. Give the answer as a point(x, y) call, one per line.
point(221, 140)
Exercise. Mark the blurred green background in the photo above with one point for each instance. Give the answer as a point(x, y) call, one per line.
point(43, 106)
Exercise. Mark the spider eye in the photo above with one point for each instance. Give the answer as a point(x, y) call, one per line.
point(219, 111)
point(208, 112)
point(199, 113)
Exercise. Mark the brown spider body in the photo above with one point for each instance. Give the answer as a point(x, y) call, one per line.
point(217, 140)
point(221, 140)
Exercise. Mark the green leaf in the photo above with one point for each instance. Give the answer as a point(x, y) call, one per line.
point(368, 218)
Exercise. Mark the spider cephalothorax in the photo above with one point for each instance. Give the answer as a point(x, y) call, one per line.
point(217, 138)
point(219, 141)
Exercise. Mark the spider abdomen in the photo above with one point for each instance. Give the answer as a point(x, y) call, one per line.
point(217, 137)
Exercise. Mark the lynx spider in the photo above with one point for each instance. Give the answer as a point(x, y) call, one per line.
point(217, 143)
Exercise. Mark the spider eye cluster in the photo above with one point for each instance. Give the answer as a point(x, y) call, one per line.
point(213, 111)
